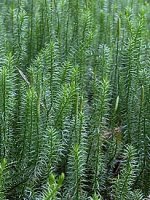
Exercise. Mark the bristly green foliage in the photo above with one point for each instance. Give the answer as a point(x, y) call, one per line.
point(128, 173)
point(2, 179)
point(74, 99)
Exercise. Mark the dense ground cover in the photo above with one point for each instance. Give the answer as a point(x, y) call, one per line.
point(74, 99)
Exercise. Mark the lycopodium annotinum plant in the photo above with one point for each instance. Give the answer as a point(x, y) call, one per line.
point(74, 99)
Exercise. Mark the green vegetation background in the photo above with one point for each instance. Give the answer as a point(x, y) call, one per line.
point(74, 99)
